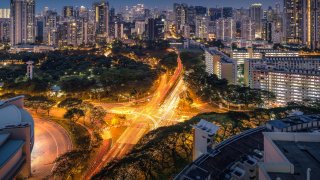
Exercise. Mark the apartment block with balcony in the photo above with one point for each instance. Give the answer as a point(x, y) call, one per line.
point(292, 79)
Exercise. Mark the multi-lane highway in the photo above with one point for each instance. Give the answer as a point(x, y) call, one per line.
point(51, 141)
point(161, 107)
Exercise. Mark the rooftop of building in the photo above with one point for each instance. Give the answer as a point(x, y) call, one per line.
point(216, 164)
point(266, 51)
point(224, 57)
point(294, 120)
point(12, 115)
point(302, 155)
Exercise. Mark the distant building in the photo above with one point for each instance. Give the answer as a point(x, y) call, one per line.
point(118, 30)
point(250, 53)
point(4, 13)
point(225, 29)
point(68, 12)
point(31, 48)
point(140, 27)
point(16, 139)
point(101, 11)
point(181, 15)
point(23, 22)
point(30, 69)
point(50, 28)
point(302, 22)
point(156, 28)
point(256, 14)
point(247, 29)
point(202, 27)
point(4, 30)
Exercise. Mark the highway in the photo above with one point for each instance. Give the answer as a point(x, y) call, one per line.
point(51, 141)
point(161, 106)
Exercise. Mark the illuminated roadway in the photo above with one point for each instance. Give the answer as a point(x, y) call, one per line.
point(161, 106)
point(51, 141)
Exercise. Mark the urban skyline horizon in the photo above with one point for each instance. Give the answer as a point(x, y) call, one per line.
point(41, 4)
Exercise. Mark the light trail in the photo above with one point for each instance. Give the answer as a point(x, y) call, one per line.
point(166, 97)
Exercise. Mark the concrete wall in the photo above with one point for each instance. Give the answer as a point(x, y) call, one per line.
point(271, 152)
point(228, 73)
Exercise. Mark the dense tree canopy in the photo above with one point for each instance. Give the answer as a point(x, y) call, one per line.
point(80, 73)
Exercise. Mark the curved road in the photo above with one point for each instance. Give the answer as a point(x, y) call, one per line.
point(51, 141)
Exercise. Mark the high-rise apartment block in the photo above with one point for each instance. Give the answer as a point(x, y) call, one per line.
point(221, 65)
point(256, 15)
point(225, 29)
point(292, 79)
point(22, 19)
point(4, 13)
point(101, 11)
point(302, 22)
point(181, 15)
point(202, 27)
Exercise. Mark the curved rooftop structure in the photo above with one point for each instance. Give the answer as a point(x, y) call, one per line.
point(16, 138)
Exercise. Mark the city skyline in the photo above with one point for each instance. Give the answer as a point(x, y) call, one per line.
point(40, 4)
point(128, 89)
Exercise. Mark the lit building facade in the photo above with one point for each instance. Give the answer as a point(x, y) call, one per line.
point(256, 14)
point(226, 29)
point(221, 65)
point(181, 15)
point(4, 13)
point(50, 35)
point(290, 79)
point(202, 25)
point(22, 20)
point(4, 30)
point(101, 11)
point(302, 22)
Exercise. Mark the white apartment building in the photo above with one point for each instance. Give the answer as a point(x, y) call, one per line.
point(291, 79)
point(221, 65)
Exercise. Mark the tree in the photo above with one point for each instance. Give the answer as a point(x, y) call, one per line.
point(86, 107)
point(97, 115)
point(76, 84)
point(169, 61)
point(117, 46)
point(71, 163)
point(47, 105)
point(74, 114)
point(70, 103)
point(40, 102)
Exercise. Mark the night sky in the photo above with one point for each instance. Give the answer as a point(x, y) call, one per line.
point(57, 4)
